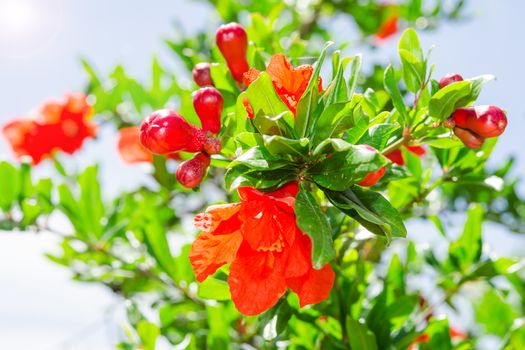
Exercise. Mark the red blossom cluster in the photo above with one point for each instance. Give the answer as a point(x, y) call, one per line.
point(56, 126)
point(472, 125)
point(268, 253)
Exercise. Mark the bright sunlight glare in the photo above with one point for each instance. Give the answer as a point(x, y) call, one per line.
point(17, 17)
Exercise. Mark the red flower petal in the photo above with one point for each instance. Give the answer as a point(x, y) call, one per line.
point(130, 148)
point(248, 107)
point(256, 280)
point(250, 76)
point(209, 252)
point(299, 260)
point(314, 286)
point(218, 215)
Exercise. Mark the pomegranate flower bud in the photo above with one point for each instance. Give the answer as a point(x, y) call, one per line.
point(469, 138)
point(486, 121)
point(208, 102)
point(191, 172)
point(201, 74)
point(232, 41)
point(449, 79)
point(166, 131)
point(212, 146)
point(373, 177)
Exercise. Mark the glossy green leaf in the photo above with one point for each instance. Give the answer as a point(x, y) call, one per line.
point(312, 221)
point(309, 100)
point(370, 209)
point(347, 167)
point(445, 101)
point(392, 88)
point(335, 119)
point(282, 146)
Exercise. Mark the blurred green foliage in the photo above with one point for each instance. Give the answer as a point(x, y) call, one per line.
point(135, 243)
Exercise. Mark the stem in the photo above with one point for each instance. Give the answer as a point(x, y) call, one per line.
point(394, 145)
point(422, 195)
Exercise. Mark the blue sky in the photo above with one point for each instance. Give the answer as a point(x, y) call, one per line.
point(40, 42)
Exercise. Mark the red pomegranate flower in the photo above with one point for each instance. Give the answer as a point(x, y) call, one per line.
point(130, 148)
point(290, 83)
point(388, 28)
point(267, 251)
point(58, 126)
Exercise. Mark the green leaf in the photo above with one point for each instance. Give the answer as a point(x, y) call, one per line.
point(378, 135)
point(9, 185)
point(370, 209)
point(414, 65)
point(345, 168)
point(409, 42)
point(445, 101)
point(494, 313)
point(263, 98)
point(148, 333)
point(337, 91)
point(335, 119)
point(256, 159)
point(477, 84)
point(157, 242)
point(330, 146)
point(467, 249)
point(214, 289)
point(359, 336)
point(68, 205)
point(309, 100)
point(267, 180)
point(312, 221)
point(414, 70)
point(282, 146)
point(222, 78)
point(392, 88)
point(439, 334)
point(90, 201)
point(355, 68)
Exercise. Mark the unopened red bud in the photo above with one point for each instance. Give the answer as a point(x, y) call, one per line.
point(191, 172)
point(469, 138)
point(166, 131)
point(201, 74)
point(486, 121)
point(232, 41)
point(372, 178)
point(208, 102)
point(212, 146)
point(449, 79)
